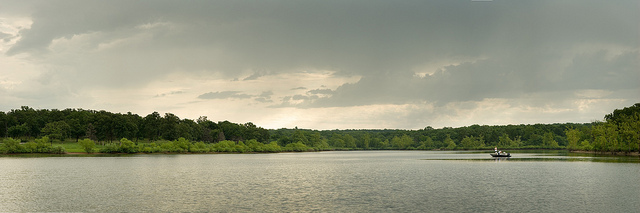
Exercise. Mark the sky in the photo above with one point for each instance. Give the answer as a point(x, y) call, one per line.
point(331, 64)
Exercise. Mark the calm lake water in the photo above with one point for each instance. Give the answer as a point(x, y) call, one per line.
point(355, 181)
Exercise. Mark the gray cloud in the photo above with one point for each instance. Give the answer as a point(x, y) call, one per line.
point(338, 33)
point(254, 76)
point(5, 36)
point(471, 51)
point(303, 97)
point(320, 91)
point(169, 93)
point(264, 97)
point(224, 95)
point(597, 71)
point(263, 100)
point(491, 78)
point(266, 94)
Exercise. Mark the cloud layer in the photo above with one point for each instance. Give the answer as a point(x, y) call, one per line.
point(404, 64)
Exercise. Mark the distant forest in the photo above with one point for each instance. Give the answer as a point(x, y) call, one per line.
point(102, 126)
point(619, 132)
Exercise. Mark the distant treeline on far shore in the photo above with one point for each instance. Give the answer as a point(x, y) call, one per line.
point(28, 130)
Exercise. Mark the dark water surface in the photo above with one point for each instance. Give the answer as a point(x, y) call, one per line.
point(355, 181)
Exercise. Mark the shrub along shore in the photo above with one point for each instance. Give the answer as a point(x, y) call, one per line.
point(181, 145)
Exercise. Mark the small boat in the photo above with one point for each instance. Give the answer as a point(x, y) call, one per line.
point(499, 153)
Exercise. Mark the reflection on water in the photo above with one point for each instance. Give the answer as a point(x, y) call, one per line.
point(553, 155)
point(565, 159)
point(356, 181)
point(499, 159)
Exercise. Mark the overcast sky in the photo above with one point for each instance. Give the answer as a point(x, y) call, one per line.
point(325, 64)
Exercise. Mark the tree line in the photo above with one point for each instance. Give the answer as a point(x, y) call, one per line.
point(105, 127)
point(536, 136)
point(619, 132)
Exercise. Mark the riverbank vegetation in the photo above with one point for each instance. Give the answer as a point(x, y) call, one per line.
point(27, 130)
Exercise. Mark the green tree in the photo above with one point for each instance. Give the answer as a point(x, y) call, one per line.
point(376, 142)
point(573, 136)
point(605, 137)
point(104, 124)
point(206, 127)
point(151, 125)
point(586, 145)
point(272, 147)
point(619, 115)
point(426, 144)
point(449, 143)
point(479, 142)
point(76, 129)
point(504, 140)
point(18, 130)
point(298, 136)
point(58, 130)
point(535, 140)
point(87, 144)
point(365, 142)
point(170, 127)
point(317, 141)
point(467, 142)
point(516, 142)
point(548, 141)
point(127, 146)
point(349, 141)
point(42, 144)
point(4, 124)
point(10, 145)
point(90, 132)
point(629, 131)
point(402, 142)
point(336, 141)
point(231, 131)
point(220, 135)
point(181, 145)
point(385, 144)
point(296, 147)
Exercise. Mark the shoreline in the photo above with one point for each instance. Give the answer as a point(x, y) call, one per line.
point(172, 153)
point(606, 153)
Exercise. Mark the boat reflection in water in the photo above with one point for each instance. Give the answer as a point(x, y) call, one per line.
point(498, 159)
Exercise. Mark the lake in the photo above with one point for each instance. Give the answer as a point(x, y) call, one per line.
point(347, 181)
